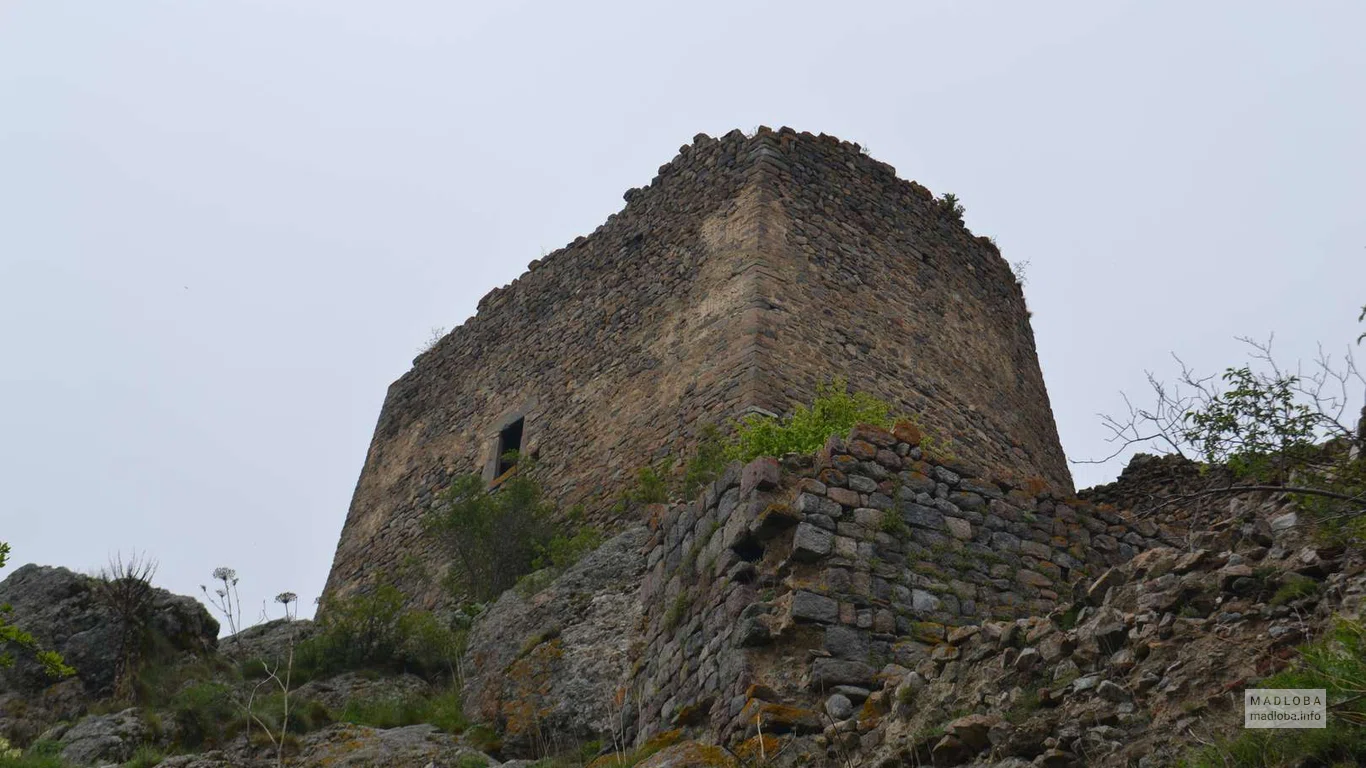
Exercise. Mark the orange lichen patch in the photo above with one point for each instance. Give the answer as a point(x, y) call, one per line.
point(758, 748)
point(658, 743)
point(655, 514)
point(907, 432)
point(760, 691)
point(529, 678)
point(872, 710)
point(1035, 486)
point(929, 632)
point(923, 467)
point(769, 717)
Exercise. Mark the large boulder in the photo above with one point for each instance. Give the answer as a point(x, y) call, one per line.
point(63, 611)
point(101, 739)
point(270, 642)
point(552, 665)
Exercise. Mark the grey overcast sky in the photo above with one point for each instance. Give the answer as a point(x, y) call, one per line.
point(225, 227)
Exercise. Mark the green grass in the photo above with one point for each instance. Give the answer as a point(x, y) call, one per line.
point(442, 710)
point(892, 523)
point(146, 757)
point(32, 761)
point(1336, 663)
point(40, 754)
point(676, 613)
point(1294, 588)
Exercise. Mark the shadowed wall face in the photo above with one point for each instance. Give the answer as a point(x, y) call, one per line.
point(749, 271)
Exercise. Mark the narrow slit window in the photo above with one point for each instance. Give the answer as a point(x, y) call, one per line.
point(509, 440)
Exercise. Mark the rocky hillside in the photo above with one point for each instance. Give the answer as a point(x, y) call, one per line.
point(872, 605)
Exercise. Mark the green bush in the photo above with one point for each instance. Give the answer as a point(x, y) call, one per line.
point(495, 537)
point(205, 713)
point(706, 464)
point(373, 631)
point(356, 633)
point(1337, 664)
point(430, 648)
point(40, 755)
point(556, 556)
point(146, 757)
point(834, 412)
point(564, 550)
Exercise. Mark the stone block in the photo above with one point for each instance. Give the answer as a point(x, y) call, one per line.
point(828, 673)
point(958, 528)
point(924, 602)
point(862, 484)
point(843, 496)
point(809, 606)
point(923, 517)
point(811, 543)
point(846, 643)
point(762, 474)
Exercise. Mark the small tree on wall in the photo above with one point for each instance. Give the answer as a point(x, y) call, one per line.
point(1276, 429)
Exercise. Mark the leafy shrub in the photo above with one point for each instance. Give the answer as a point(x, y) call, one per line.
point(13, 758)
point(651, 487)
point(357, 632)
point(205, 714)
point(494, 536)
point(834, 412)
point(564, 549)
point(1256, 426)
point(950, 206)
point(706, 464)
point(559, 553)
point(430, 648)
point(373, 631)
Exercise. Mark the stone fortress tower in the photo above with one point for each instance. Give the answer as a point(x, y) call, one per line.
point(748, 272)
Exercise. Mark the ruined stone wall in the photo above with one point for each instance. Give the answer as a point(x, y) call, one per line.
point(612, 349)
point(879, 278)
point(785, 585)
point(747, 273)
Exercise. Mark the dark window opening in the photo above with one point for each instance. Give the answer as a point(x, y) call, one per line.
point(509, 442)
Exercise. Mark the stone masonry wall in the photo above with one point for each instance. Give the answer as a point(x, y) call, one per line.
point(785, 585)
point(878, 278)
point(748, 272)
